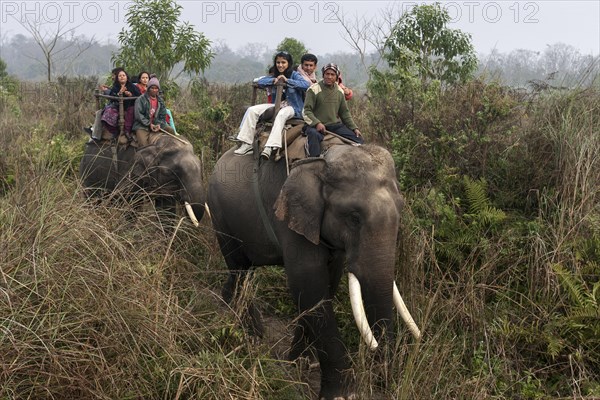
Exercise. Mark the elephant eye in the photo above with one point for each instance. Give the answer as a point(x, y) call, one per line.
point(354, 219)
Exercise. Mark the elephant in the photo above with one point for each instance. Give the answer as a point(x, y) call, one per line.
point(340, 210)
point(168, 168)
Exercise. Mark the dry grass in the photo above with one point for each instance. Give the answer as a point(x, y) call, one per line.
point(95, 303)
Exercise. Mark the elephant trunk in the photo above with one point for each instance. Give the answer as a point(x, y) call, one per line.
point(370, 280)
point(373, 292)
point(192, 196)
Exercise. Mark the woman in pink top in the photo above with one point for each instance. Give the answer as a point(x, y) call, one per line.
point(142, 82)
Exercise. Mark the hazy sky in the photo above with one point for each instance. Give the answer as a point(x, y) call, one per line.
point(504, 25)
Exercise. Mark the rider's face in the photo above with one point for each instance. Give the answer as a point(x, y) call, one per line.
point(329, 77)
point(309, 67)
point(152, 91)
point(281, 63)
point(122, 77)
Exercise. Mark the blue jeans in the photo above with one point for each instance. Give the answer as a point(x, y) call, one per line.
point(315, 137)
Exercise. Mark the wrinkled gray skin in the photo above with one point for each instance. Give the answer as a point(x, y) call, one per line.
point(331, 212)
point(168, 169)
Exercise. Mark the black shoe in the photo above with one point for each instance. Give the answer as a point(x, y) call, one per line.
point(88, 130)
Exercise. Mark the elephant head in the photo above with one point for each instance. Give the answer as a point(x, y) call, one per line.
point(351, 202)
point(168, 169)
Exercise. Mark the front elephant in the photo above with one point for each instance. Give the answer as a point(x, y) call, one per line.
point(168, 169)
point(339, 211)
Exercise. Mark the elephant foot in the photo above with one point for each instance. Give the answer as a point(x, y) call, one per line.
point(252, 322)
point(341, 389)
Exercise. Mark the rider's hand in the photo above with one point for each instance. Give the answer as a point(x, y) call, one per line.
point(320, 127)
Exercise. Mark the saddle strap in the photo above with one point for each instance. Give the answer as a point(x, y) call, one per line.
point(115, 160)
point(261, 208)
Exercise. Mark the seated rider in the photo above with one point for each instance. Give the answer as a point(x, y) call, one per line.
point(142, 81)
point(122, 87)
point(325, 108)
point(95, 130)
point(150, 114)
point(347, 91)
point(291, 105)
point(307, 67)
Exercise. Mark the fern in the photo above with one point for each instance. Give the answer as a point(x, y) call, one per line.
point(476, 192)
point(576, 289)
point(480, 207)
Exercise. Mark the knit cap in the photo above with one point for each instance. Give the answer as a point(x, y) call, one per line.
point(330, 66)
point(153, 82)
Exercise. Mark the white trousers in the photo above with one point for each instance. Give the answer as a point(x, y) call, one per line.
point(248, 125)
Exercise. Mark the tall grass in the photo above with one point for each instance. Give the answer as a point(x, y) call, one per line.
point(498, 260)
point(96, 304)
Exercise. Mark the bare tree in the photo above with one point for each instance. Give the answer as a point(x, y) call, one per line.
point(255, 51)
point(368, 36)
point(56, 39)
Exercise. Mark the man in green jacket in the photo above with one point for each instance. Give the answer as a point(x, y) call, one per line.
point(150, 114)
point(325, 108)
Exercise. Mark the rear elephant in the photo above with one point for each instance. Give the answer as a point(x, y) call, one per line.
point(168, 169)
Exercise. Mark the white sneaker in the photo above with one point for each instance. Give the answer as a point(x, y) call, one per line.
point(244, 149)
point(266, 153)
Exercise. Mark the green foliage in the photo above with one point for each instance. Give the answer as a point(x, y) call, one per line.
point(480, 208)
point(58, 152)
point(499, 259)
point(422, 45)
point(293, 46)
point(7, 176)
point(156, 41)
point(9, 101)
point(464, 220)
point(435, 133)
point(3, 73)
point(577, 329)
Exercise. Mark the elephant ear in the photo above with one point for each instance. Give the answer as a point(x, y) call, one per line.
point(145, 159)
point(300, 201)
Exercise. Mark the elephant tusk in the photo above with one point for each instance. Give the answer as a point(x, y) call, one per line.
point(405, 314)
point(190, 212)
point(207, 210)
point(358, 310)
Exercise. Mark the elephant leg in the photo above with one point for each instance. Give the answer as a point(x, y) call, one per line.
point(232, 293)
point(299, 347)
point(239, 273)
point(309, 284)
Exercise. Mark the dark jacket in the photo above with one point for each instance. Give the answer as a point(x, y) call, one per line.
point(135, 92)
point(142, 113)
